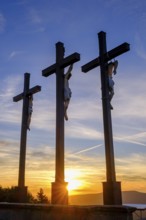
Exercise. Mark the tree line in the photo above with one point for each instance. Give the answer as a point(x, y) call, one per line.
point(9, 195)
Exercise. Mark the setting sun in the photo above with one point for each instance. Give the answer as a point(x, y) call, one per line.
point(74, 184)
point(73, 177)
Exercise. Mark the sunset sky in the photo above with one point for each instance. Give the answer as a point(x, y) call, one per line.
point(29, 30)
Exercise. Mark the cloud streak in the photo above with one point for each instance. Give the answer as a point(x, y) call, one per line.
point(88, 149)
point(130, 140)
point(15, 53)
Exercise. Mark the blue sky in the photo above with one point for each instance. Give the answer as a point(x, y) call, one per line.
point(29, 31)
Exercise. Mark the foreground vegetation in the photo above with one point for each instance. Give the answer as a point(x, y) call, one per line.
point(8, 195)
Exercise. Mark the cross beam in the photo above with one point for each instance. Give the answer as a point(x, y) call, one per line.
point(31, 91)
point(75, 57)
point(23, 139)
point(107, 56)
point(111, 188)
point(59, 191)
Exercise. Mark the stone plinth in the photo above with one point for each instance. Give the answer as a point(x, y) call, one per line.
point(57, 212)
point(59, 195)
point(21, 194)
point(112, 193)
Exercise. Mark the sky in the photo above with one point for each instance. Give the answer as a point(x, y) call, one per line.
point(29, 30)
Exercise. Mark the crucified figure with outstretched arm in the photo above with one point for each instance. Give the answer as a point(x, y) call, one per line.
point(111, 68)
point(67, 90)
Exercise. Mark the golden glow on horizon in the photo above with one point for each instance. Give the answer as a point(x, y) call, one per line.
point(82, 179)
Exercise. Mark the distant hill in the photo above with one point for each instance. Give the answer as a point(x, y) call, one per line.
point(97, 199)
point(134, 197)
point(86, 199)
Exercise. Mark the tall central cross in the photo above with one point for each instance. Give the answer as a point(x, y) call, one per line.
point(59, 187)
point(25, 95)
point(111, 188)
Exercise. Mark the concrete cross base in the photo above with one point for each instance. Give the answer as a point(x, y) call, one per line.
point(59, 195)
point(112, 193)
point(21, 194)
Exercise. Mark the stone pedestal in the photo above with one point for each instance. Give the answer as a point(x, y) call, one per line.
point(112, 193)
point(59, 193)
point(21, 194)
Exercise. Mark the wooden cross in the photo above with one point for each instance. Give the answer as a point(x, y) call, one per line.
point(27, 92)
point(111, 188)
point(59, 185)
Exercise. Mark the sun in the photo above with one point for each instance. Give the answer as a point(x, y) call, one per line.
point(74, 184)
point(73, 177)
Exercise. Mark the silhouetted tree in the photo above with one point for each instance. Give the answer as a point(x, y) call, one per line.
point(41, 197)
point(9, 195)
point(31, 198)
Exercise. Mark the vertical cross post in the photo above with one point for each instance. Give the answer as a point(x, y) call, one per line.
point(59, 194)
point(111, 188)
point(59, 176)
point(22, 189)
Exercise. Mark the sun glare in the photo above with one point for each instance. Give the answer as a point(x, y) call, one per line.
point(73, 184)
point(73, 177)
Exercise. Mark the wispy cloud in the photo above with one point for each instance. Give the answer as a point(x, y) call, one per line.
point(88, 149)
point(9, 86)
point(130, 98)
point(133, 164)
point(9, 154)
point(15, 53)
point(130, 140)
point(39, 165)
point(79, 130)
point(35, 16)
point(140, 48)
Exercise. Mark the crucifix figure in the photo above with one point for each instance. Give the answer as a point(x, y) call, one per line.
point(111, 68)
point(59, 193)
point(27, 97)
point(67, 91)
point(111, 188)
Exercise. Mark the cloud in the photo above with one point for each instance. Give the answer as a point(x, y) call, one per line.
point(7, 91)
point(133, 164)
point(15, 53)
point(40, 159)
point(88, 149)
point(130, 97)
point(43, 116)
point(80, 130)
point(76, 111)
point(82, 160)
point(35, 17)
point(4, 144)
point(140, 48)
point(39, 165)
point(9, 153)
point(133, 139)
